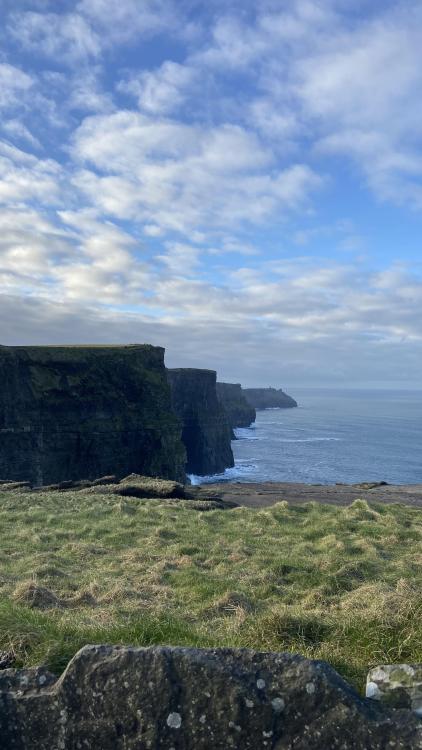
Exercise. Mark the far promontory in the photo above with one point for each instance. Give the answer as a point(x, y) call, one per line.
point(268, 398)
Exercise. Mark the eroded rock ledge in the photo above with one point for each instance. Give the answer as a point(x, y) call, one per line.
point(161, 698)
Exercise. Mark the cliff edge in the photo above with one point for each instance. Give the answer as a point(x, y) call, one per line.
point(206, 432)
point(80, 412)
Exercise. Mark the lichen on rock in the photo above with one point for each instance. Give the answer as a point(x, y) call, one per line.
point(117, 698)
point(397, 685)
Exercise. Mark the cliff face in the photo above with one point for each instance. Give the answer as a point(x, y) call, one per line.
point(239, 412)
point(83, 412)
point(268, 398)
point(206, 432)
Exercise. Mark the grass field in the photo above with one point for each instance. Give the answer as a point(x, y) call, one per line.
point(340, 584)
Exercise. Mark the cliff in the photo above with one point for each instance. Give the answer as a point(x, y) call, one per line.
point(239, 412)
point(117, 698)
point(206, 432)
point(83, 412)
point(268, 398)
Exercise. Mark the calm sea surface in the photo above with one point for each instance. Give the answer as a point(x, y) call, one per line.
point(333, 436)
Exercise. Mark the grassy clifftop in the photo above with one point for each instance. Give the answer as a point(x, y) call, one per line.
point(92, 566)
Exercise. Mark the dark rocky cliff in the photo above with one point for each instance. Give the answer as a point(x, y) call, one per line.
point(239, 412)
point(268, 398)
point(206, 432)
point(83, 412)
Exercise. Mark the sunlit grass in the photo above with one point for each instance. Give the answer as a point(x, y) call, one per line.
point(329, 582)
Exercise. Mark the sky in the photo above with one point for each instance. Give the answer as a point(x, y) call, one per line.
point(238, 182)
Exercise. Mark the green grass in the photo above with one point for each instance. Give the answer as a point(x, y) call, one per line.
point(334, 583)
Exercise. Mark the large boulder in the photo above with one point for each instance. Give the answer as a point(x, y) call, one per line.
point(161, 698)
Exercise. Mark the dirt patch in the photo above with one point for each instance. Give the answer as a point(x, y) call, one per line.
point(264, 494)
point(35, 596)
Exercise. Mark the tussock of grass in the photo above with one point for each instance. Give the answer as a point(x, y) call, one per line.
point(83, 566)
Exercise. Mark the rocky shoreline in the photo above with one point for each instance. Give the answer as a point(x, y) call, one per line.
point(264, 494)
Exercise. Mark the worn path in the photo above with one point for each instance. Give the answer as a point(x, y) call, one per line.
point(254, 495)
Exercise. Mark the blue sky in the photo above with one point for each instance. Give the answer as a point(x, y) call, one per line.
point(238, 182)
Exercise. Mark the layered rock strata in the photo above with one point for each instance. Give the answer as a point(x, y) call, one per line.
point(117, 698)
point(239, 412)
point(206, 432)
point(69, 413)
point(268, 398)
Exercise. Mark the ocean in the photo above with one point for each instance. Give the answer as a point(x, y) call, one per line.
point(333, 436)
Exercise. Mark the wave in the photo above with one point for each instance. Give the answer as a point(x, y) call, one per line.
point(242, 469)
point(245, 433)
point(309, 440)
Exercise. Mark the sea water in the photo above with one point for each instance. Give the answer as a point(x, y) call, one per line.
point(333, 436)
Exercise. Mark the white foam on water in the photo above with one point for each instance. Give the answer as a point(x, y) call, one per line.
point(240, 471)
point(246, 433)
point(309, 440)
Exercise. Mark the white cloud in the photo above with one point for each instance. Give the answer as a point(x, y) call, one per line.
point(13, 83)
point(353, 90)
point(85, 92)
point(128, 19)
point(31, 245)
point(184, 177)
point(66, 37)
point(162, 90)
point(181, 259)
point(25, 177)
point(16, 129)
point(317, 75)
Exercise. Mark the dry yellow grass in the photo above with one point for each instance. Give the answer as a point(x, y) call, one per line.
point(341, 584)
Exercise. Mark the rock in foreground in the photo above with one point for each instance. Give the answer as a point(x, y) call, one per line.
point(398, 685)
point(188, 699)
